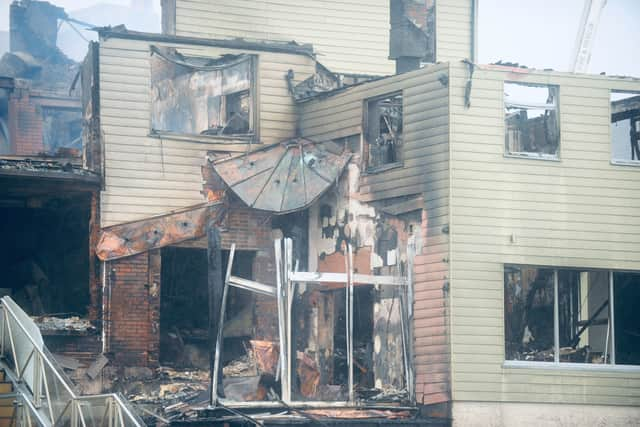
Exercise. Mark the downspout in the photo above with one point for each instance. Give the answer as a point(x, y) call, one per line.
point(474, 31)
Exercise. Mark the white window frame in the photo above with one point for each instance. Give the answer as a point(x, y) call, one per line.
point(614, 161)
point(557, 364)
point(555, 106)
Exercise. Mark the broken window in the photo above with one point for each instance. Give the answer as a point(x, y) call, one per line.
point(626, 297)
point(339, 337)
point(202, 96)
point(383, 123)
point(529, 304)
point(62, 131)
point(583, 316)
point(625, 126)
point(531, 120)
point(566, 316)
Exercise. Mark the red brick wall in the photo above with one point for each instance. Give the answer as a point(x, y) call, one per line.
point(83, 348)
point(25, 124)
point(134, 310)
point(247, 228)
point(25, 119)
point(133, 317)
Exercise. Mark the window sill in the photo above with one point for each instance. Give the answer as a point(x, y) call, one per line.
point(634, 163)
point(522, 364)
point(533, 156)
point(383, 168)
point(218, 139)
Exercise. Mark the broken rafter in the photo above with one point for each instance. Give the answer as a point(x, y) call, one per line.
point(136, 237)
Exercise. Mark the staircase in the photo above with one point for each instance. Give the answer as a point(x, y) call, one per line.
point(7, 401)
point(34, 391)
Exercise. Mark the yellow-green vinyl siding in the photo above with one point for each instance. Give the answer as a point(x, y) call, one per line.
point(349, 36)
point(146, 176)
point(579, 211)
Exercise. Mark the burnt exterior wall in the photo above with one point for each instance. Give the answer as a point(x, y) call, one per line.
point(132, 295)
point(423, 175)
point(26, 121)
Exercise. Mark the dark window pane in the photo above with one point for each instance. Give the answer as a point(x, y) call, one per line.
point(626, 287)
point(528, 313)
point(583, 315)
point(384, 130)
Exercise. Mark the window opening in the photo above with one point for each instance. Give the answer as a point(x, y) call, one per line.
point(567, 315)
point(531, 120)
point(529, 300)
point(384, 130)
point(62, 131)
point(626, 297)
point(202, 96)
point(625, 126)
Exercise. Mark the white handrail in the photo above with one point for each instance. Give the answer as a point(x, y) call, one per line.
point(30, 377)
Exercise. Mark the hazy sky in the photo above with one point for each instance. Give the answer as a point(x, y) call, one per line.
point(542, 34)
point(539, 34)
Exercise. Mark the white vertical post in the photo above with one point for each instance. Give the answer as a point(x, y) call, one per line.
point(74, 414)
point(349, 305)
point(288, 260)
point(282, 321)
point(411, 251)
point(4, 325)
point(223, 309)
point(37, 380)
point(556, 319)
point(612, 319)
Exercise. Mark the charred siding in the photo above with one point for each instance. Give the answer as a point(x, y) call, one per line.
point(581, 211)
point(147, 176)
point(425, 171)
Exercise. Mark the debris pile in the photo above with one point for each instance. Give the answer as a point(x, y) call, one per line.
point(74, 323)
point(169, 394)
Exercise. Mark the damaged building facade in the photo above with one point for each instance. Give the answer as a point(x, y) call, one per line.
point(368, 221)
point(49, 185)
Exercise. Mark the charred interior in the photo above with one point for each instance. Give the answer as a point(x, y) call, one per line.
point(625, 126)
point(531, 119)
point(184, 311)
point(206, 96)
point(47, 263)
point(590, 327)
point(384, 131)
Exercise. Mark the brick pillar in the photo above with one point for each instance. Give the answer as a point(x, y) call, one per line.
point(134, 310)
point(25, 124)
point(155, 271)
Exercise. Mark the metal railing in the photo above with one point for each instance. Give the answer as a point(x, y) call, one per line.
point(45, 396)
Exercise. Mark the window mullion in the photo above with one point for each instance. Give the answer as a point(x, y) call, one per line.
point(556, 319)
point(612, 320)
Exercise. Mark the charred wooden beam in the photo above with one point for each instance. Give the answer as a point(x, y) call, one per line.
point(135, 237)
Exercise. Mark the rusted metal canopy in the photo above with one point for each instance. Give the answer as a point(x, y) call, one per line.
point(135, 237)
point(284, 177)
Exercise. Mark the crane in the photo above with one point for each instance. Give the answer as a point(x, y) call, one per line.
point(586, 34)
